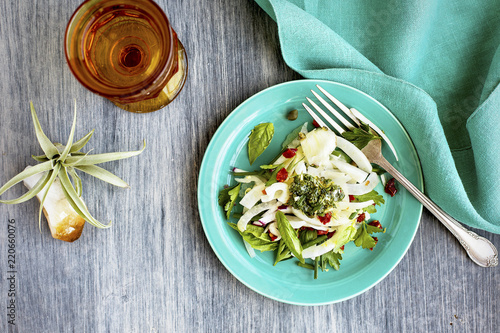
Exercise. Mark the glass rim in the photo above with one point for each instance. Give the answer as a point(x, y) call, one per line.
point(150, 86)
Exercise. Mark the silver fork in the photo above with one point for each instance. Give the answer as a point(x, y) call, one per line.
point(479, 249)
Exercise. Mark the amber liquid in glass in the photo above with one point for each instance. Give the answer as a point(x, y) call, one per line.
point(126, 54)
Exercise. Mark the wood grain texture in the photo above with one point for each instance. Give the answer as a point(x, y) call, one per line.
point(154, 270)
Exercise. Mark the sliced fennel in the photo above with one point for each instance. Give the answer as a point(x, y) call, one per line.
point(309, 173)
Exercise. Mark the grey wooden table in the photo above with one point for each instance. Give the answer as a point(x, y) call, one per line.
point(154, 270)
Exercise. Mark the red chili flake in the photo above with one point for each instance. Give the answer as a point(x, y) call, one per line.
point(273, 237)
point(322, 232)
point(376, 241)
point(342, 247)
point(390, 187)
point(330, 234)
point(282, 207)
point(375, 223)
point(290, 152)
point(282, 175)
point(351, 198)
point(361, 217)
point(315, 124)
point(264, 192)
point(325, 219)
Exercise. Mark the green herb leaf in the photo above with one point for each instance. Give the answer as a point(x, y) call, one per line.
point(292, 136)
point(260, 138)
point(363, 238)
point(227, 198)
point(372, 195)
point(270, 166)
point(283, 252)
point(313, 195)
point(289, 235)
point(332, 258)
point(359, 137)
point(272, 179)
point(314, 241)
point(249, 173)
point(339, 153)
point(344, 237)
point(373, 229)
point(256, 237)
point(307, 235)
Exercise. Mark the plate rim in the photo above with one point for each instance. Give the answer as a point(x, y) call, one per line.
point(233, 114)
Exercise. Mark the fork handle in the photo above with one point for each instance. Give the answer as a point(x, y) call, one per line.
point(479, 249)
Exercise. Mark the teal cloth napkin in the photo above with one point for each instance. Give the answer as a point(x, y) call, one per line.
point(434, 63)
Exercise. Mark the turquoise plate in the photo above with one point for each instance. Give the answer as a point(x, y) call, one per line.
point(286, 282)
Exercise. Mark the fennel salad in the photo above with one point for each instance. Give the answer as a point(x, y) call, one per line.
point(311, 200)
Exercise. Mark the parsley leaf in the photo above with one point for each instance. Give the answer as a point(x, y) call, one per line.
point(359, 137)
point(363, 236)
point(364, 239)
point(227, 198)
point(332, 258)
point(372, 195)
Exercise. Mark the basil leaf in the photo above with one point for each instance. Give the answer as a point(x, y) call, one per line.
point(227, 198)
point(272, 179)
point(307, 235)
point(283, 252)
point(292, 136)
point(260, 138)
point(289, 235)
point(359, 137)
point(269, 166)
point(256, 237)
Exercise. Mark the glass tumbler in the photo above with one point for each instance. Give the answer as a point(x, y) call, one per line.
point(127, 52)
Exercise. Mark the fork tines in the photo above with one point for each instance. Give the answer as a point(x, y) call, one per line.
point(334, 112)
point(351, 113)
